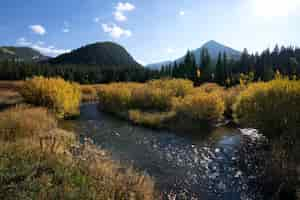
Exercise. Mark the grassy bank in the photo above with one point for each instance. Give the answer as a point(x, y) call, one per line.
point(40, 161)
point(9, 93)
point(166, 103)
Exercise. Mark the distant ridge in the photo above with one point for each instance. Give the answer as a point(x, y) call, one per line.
point(106, 54)
point(20, 54)
point(213, 47)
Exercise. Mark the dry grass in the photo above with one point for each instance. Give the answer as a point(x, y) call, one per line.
point(153, 120)
point(89, 93)
point(39, 161)
point(9, 93)
point(11, 85)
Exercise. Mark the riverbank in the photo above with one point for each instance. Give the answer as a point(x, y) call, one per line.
point(170, 104)
point(39, 160)
point(187, 164)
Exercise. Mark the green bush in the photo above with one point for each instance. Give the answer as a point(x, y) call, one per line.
point(272, 107)
point(54, 93)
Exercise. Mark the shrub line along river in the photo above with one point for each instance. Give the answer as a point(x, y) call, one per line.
point(221, 164)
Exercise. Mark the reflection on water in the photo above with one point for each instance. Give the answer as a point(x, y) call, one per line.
point(190, 166)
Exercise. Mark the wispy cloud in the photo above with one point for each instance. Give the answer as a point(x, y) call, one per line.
point(181, 13)
point(41, 47)
point(120, 9)
point(96, 19)
point(38, 29)
point(66, 28)
point(49, 50)
point(115, 31)
point(170, 50)
point(125, 7)
point(274, 8)
point(119, 16)
point(22, 42)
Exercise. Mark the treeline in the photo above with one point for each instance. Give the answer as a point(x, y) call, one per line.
point(88, 74)
point(224, 71)
point(227, 71)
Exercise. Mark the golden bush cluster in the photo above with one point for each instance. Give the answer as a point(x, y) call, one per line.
point(151, 103)
point(116, 97)
point(158, 94)
point(272, 107)
point(54, 93)
point(200, 106)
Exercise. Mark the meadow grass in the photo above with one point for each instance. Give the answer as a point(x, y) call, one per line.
point(40, 161)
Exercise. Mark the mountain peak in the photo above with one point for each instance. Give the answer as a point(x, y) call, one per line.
point(212, 43)
point(214, 49)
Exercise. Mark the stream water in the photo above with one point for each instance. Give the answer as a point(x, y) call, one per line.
point(209, 165)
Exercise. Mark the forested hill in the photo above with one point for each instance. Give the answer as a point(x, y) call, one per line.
point(106, 54)
point(20, 54)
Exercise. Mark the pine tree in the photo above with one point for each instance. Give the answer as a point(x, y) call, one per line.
point(220, 74)
point(205, 66)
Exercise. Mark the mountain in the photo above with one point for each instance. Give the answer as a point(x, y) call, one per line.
point(106, 54)
point(20, 54)
point(213, 47)
point(159, 64)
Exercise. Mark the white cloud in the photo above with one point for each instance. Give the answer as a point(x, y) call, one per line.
point(65, 30)
point(23, 42)
point(125, 7)
point(119, 16)
point(39, 46)
point(170, 50)
point(181, 13)
point(115, 31)
point(38, 29)
point(50, 50)
point(96, 19)
point(120, 9)
point(40, 42)
point(275, 8)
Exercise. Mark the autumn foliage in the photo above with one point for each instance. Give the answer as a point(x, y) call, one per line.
point(58, 95)
point(272, 107)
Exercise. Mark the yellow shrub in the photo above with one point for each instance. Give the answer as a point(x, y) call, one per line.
point(272, 107)
point(54, 93)
point(201, 106)
point(174, 87)
point(208, 88)
point(25, 122)
point(89, 93)
point(158, 94)
point(116, 97)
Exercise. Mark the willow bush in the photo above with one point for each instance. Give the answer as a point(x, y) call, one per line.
point(116, 97)
point(158, 94)
point(60, 96)
point(272, 107)
point(200, 106)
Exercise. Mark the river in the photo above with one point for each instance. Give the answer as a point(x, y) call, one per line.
point(210, 165)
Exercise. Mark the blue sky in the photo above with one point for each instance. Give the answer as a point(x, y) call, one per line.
point(151, 30)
